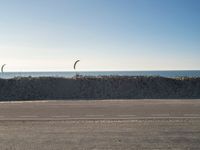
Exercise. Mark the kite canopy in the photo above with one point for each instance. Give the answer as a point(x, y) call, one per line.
point(2, 67)
point(75, 64)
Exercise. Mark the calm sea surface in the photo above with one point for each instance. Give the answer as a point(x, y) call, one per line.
point(172, 74)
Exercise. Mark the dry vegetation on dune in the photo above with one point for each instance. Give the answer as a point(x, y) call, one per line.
point(110, 87)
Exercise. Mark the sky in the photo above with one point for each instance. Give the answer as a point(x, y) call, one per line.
point(106, 35)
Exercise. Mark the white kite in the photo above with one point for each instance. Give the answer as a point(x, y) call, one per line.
point(2, 67)
point(75, 64)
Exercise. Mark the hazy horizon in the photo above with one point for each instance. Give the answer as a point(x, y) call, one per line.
point(114, 35)
point(100, 71)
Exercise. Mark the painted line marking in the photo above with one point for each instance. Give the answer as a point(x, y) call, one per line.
point(128, 118)
point(96, 118)
point(126, 115)
point(168, 117)
point(21, 102)
point(191, 115)
point(160, 115)
point(95, 115)
point(65, 116)
point(28, 116)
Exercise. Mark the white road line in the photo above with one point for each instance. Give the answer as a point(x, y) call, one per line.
point(28, 116)
point(64, 116)
point(160, 115)
point(100, 118)
point(168, 117)
point(192, 115)
point(128, 118)
point(95, 115)
point(126, 115)
point(21, 102)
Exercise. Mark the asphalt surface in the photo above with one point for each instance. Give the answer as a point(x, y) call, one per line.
point(100, 125)
point(100, 110)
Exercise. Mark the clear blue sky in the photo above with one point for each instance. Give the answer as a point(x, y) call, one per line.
point(44, 35)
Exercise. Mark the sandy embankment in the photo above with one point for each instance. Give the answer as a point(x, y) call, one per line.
point(99, 88)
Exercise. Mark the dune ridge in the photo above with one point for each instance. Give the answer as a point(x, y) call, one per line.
point(103, 87)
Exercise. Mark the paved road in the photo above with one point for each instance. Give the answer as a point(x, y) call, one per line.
point(113, 125)
point(102, 109)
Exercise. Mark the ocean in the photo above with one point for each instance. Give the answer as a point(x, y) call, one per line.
point(69, 74)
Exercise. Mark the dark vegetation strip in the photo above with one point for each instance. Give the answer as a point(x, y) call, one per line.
point(110, 87)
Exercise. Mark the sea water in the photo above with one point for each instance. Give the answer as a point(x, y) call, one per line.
point(70, 74)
